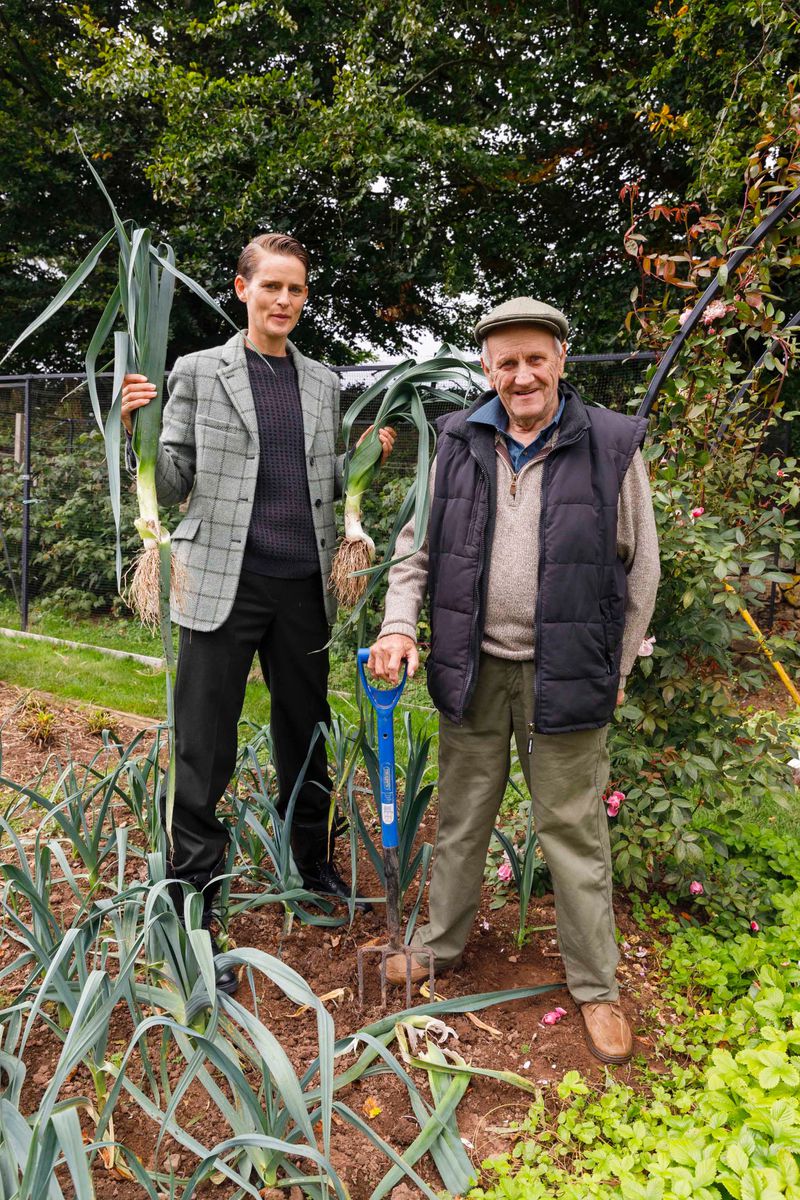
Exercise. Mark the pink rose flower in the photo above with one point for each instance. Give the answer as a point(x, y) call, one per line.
point(754, 925)
point(646, 648)
point(716, 309)
point(684, 317)
point(504, 872)
point(780, 474)
point(552, 1018)
point(696, 888)
point(696, 512)
point(613, 803)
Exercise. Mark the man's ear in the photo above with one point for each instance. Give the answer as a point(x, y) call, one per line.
point(486, 369)
point(240, 287)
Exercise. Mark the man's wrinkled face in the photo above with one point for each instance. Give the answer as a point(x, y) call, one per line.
point(274, 294)
point(523, 366)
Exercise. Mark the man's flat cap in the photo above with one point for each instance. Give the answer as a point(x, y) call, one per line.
point(523, 310)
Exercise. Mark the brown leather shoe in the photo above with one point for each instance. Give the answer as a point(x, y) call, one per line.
point(608, 1034)
point(397, 966)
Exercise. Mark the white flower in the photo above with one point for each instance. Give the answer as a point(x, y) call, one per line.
point(646, 648)
point(794, 763)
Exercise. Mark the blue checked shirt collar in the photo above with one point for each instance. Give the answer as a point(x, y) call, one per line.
point(492, 413)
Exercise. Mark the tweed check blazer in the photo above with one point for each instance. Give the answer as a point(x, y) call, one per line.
point(209, 448)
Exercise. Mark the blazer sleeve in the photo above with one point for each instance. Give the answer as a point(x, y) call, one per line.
point(176, 463)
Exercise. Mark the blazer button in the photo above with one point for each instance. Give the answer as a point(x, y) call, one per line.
point(317, 504)
point(322, 542)
point(311, 462)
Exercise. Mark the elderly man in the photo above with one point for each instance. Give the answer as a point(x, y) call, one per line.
point(249, 433)
point(541, 564)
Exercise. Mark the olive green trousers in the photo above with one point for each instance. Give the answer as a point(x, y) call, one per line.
point(566, 774)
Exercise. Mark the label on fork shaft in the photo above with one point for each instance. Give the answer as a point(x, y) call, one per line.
point(387, 813)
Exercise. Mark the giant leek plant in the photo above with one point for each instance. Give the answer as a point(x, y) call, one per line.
point(142, 299)
point(407, 388)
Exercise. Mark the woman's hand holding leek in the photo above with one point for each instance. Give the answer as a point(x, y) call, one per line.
point(138, 391)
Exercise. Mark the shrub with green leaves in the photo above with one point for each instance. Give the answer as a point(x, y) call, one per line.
point(725, 512)
point(726, 1126)
point(70, 567)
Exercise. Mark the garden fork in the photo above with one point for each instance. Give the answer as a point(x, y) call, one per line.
point(384, 701)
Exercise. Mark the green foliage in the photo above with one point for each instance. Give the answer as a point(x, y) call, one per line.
point(70, 566)
point(404, 395)
point(38, 722)
point(407, 145)
point(724, 1127)
point(682, 752)
point(519, 856)
point(120, 944)
point(742, 56)
point(744, 871)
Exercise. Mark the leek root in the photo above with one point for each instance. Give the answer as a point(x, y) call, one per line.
point(142, 592)
point(401, 393)
point(354, 554)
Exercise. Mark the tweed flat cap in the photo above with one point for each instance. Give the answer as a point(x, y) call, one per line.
point(523, 310)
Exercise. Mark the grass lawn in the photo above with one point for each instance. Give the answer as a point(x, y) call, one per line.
point(118, 633)
point(128, 686)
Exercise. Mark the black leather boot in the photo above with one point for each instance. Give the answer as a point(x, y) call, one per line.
point(314, 858)
point(227, 979)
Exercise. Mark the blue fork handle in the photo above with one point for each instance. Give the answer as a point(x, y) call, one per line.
point(384, 701)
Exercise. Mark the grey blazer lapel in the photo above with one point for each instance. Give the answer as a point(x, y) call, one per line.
point(234, 377)
point(311, 393)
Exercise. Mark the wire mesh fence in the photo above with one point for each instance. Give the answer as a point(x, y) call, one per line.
point(56, 524)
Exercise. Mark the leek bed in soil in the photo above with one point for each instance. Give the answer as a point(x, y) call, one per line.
point(143, 296)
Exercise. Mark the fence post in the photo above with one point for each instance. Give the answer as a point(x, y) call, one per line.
point(26, 507)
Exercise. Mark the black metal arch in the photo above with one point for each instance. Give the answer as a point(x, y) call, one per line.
point(738, 257)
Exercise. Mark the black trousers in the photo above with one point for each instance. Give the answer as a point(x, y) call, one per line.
point(284, 622)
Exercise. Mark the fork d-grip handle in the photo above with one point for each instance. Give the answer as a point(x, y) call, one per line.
point(384, 701)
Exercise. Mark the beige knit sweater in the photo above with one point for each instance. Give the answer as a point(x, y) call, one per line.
point(513, 566)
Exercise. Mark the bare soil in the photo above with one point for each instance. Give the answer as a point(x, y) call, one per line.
point(327, 960)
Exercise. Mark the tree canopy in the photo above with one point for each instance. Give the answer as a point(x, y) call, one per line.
point(434, 158)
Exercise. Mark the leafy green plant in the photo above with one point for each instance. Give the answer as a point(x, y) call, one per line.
point(139, 782)
point(143, 296)
point(83, 810)
point(266, 837)
point(413, 861)
point(38, 722)
point(448, 375)
point(724, 512)
point(70, 566)
point(99, 721)
point(724, 1126)
point(522, 864)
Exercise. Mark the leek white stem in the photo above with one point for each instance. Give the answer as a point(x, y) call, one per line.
point(353, 530)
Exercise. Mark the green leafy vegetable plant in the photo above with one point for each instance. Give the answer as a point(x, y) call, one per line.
point(143, 296)
point(448, 375)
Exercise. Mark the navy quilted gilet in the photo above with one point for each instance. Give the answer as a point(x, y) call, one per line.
point(580, 613)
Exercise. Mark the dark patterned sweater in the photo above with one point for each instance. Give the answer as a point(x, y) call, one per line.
point(281, 539)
